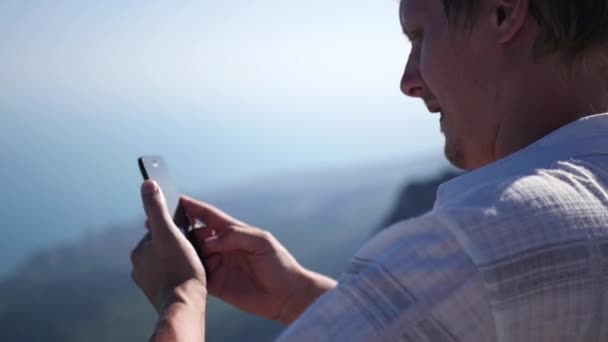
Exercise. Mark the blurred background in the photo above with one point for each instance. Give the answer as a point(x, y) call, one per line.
point(287, 115)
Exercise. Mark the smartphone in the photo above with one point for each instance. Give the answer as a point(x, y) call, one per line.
point(155, 168)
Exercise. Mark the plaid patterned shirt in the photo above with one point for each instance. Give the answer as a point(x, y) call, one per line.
point(515, 251)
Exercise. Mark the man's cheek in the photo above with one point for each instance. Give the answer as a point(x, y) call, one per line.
point(434, 68)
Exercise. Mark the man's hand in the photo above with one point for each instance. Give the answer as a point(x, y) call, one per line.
point(169, 272)
point(250, 269)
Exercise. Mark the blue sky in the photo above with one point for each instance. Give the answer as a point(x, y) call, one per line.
point(70, 56)
point(225, 90)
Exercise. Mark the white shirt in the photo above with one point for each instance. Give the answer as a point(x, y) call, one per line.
point(514, 251)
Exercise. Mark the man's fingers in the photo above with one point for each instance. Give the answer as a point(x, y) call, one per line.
point(203, 234)
point(211, 216)
point(139, 247)
point(213, 262)
point(235, 238)
point(160, 220)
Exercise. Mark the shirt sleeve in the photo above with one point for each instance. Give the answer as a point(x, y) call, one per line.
point(413, 282)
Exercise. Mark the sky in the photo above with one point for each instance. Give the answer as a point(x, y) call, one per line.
point(224, 90)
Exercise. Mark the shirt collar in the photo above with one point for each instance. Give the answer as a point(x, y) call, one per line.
point(585, 136)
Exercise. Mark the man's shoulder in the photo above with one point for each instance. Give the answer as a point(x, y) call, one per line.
point(561, 203)
point(561, 185)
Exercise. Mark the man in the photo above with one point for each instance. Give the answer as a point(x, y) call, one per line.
point(515, 250)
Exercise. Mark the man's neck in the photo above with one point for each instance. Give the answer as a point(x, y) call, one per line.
point(553, 100)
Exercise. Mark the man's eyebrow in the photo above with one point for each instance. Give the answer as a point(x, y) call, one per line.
point(404, 29)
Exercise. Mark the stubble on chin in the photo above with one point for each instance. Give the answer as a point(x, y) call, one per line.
point(455, 154)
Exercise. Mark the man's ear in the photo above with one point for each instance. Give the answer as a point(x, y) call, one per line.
point(509, 17)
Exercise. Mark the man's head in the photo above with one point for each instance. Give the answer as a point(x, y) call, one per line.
point(504, 73)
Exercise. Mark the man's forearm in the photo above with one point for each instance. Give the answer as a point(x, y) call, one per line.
point(315, 285)
point(183, 319)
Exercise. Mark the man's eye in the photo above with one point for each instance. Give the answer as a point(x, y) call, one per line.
point(414, 36)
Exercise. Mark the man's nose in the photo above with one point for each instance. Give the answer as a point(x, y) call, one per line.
point(411, 82)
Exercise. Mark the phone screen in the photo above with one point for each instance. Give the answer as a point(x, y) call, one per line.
point(155, 168)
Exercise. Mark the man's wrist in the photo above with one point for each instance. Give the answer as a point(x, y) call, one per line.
point(312, 286)
point(182, 318)
point(180, 322)
point(191, 294)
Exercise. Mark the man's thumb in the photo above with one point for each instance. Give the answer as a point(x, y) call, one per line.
point(156, 208)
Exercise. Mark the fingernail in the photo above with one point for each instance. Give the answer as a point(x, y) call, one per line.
point(149, 188)
point(211, 243)
point(211, 239)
